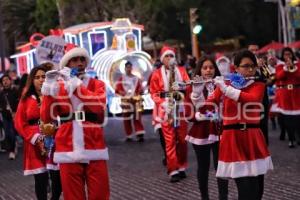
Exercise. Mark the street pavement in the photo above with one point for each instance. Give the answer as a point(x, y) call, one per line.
point(136, 171)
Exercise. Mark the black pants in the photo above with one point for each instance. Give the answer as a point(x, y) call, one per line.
point(250, 188)
point(292, 125)
point(10, 134)
point(281, 125)
point(41, 185)
point(203, 160)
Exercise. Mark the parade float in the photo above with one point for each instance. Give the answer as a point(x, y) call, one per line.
point(110, 46)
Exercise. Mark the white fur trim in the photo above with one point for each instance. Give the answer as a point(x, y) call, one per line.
point(288, 112)
point(52, 167)
point(182, 169)
point(140, 132)
point(166, 53)
point(50, 88)
point(34, 138)
point(35, 171)
point(286, 69)
point(222, 58)
point(211, 139)
point(232, 93)
point(81, 156)
point(197, 98)
point(244, 168)
point(72, 84)
point(200, 117)
point(173, 172)
point(75, 52)
point(156, 127)
point(166, 76)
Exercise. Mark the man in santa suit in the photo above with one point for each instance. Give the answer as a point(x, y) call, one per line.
point(160, 85)
point(79, 103)
point(128, 86)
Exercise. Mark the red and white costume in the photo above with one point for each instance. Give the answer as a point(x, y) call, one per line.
point(176, 146)
point(80, 146)
point(129, 86)
point(242, 153)
point(34, 163)
point(204, 130)
point(288, 90)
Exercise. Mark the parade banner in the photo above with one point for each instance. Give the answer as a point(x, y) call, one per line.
point(50, 49)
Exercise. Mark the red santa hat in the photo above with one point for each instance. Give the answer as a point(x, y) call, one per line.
point(71, 51)
point(165, 50)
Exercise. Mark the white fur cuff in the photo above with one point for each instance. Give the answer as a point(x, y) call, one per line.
point(72, 84)
point(232, 93)
point(200, 117)
point(34, 138)
point(50, 88)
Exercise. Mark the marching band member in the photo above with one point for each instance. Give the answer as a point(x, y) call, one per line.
point(204, 133)
point(243, 151)
point(79, 102)
point(288, 93)
point(160, 87)
point(27, 124)
point(127, 87)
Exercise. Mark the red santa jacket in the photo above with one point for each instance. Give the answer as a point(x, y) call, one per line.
point(288, 90)
point(127, 84)
point(242, 152)
point(28, 111)
point(78, 141)
point(204, 130)
point(159, 84)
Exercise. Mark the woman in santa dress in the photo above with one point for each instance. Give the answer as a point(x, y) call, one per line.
point(27, 123)
point(204, 133)
point(243, 153)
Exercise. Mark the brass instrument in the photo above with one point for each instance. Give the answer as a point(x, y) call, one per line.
point(130, 104)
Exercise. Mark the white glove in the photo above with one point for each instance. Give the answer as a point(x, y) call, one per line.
point(198, 87)
point(51, 86)
point(65, 73)
point(219, 81)
point(72, 84)
point(167, 108)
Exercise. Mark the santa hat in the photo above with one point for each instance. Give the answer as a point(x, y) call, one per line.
point(72, 51)
point(220, 57)
point(165, 50)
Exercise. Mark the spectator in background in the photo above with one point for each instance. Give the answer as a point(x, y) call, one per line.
point(190, 65)
point(14, 77)
point(8, 106)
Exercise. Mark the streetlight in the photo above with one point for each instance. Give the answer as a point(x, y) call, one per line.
point(195, 29)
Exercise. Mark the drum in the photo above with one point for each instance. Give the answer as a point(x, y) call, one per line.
point(138, 103)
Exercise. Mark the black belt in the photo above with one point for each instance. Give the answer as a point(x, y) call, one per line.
point(168, 94)
point(80, 116)
point(33, 122)
point(240, 126)
point(289, 86)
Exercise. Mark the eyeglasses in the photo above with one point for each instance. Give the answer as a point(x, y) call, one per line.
point(38, 77)
point(248, 66)
point(75, 59)
point(169, 55)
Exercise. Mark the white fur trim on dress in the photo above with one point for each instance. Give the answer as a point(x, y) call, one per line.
point(81, 156)
point(75, 52)
point(165, 77)
point(142, 132)
point(201, 117)
point(288, 112)
point(52, 167)
point(72, 84)
point(166, 53)
point(34, 138)
point(244, 168)
point(173, 172)
point(232, 93)
point(197, 141)
point(156, 127)
point(35, 171)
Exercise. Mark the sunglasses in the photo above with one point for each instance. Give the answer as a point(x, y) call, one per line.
point(75, 59)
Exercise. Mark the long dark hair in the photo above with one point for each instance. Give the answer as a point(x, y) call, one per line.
point(29, 88)
point(289, 50)
point(200, 63)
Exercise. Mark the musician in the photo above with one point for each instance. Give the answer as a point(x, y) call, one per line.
point(160, 85)
point(129, 86)
point(243, 152)
point(288, 93)
point(27, 119)
point(204, 133)
point(264, 75)
point(79, 102)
